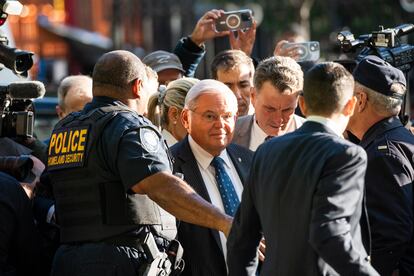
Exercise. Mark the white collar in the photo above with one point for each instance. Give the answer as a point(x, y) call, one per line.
point(257, 130)
point(203, 157)
point(168, 137)
point(332, 125)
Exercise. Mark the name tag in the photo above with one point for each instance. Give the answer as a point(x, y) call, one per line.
point(67, 148)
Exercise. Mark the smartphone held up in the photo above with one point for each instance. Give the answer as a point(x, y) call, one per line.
point(306, 51)
point(234, 20)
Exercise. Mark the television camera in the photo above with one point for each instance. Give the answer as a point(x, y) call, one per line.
point(386, 44)
point(16, 104)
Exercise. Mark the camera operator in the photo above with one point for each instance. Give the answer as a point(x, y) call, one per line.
point(20, 241)
point(380, 90)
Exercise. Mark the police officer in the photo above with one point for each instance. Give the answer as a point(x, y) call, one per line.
point(111, 175)
point(380, 90)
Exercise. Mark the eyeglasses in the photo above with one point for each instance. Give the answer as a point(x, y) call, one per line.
point(211, 117)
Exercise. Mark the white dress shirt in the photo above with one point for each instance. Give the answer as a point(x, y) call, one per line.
point(208, 173)
point(326, 122)
point(258, 136)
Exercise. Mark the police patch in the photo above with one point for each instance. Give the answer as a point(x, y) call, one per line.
point(149, 139)
point(67, 148)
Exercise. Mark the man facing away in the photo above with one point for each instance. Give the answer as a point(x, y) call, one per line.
point(216, 169)
point(277, 84)
point(305, 191)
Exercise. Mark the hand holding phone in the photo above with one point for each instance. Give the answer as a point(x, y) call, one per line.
point(304, 51)
point(234, 20)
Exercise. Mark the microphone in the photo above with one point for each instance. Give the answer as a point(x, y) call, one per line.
point(23, 90)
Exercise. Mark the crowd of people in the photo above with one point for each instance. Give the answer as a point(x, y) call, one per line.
point(152, 171)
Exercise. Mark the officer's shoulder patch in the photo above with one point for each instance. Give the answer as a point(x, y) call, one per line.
point(149, 139)
point(383, 148)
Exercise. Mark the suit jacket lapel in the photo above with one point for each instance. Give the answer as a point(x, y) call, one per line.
point(244, 131)
point(238, 162)
point(192, 175)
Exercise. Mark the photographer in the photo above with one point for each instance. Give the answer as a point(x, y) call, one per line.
point(20, 241)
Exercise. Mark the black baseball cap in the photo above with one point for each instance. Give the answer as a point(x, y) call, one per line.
point(378, 75)
point(162, 60)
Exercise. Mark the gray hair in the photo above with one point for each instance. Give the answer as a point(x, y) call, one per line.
point(384, 105)
point(284, 73)
point(80, 84)
point(209, 85)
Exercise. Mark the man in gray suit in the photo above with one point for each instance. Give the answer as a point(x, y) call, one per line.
point(277, 84)
point(209, 116)
point(305, 191)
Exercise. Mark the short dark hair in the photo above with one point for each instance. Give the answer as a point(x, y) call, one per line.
point(229, 59)
point(327, 88)
point(283, 73)
point(118, 69)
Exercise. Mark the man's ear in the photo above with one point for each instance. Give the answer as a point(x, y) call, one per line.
point(302, 106)
point(349, 107)
point(60, 112)
point(362, 100)
point(136, 88)
point(253, 96)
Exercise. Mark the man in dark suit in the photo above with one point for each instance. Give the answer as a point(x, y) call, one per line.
point(216, 169)
point(305, 191)
point(277, 84)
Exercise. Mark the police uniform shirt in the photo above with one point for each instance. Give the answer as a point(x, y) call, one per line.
point(208, 174)
point(141, 152)
point(388, 181)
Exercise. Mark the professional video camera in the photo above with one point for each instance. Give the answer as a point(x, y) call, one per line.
point(18, 61)
point(385, 44)
point(16, 109)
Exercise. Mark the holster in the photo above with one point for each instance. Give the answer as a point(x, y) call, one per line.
point(161, 263)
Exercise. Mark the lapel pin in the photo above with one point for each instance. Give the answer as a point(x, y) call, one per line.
point(239, 159)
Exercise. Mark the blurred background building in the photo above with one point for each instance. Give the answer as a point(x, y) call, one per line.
point(67, 36)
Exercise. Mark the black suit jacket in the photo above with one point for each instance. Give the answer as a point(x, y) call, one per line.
point(202, 247)
point(305, 193)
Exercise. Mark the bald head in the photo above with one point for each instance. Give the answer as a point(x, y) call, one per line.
point(115, 72)
point(73, 93)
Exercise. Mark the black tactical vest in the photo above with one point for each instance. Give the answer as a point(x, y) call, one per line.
point(88, 206)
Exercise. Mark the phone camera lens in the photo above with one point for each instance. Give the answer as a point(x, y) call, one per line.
point(233, 21)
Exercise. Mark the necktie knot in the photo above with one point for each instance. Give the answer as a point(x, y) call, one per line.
point(217, 162)
point(268, 137)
